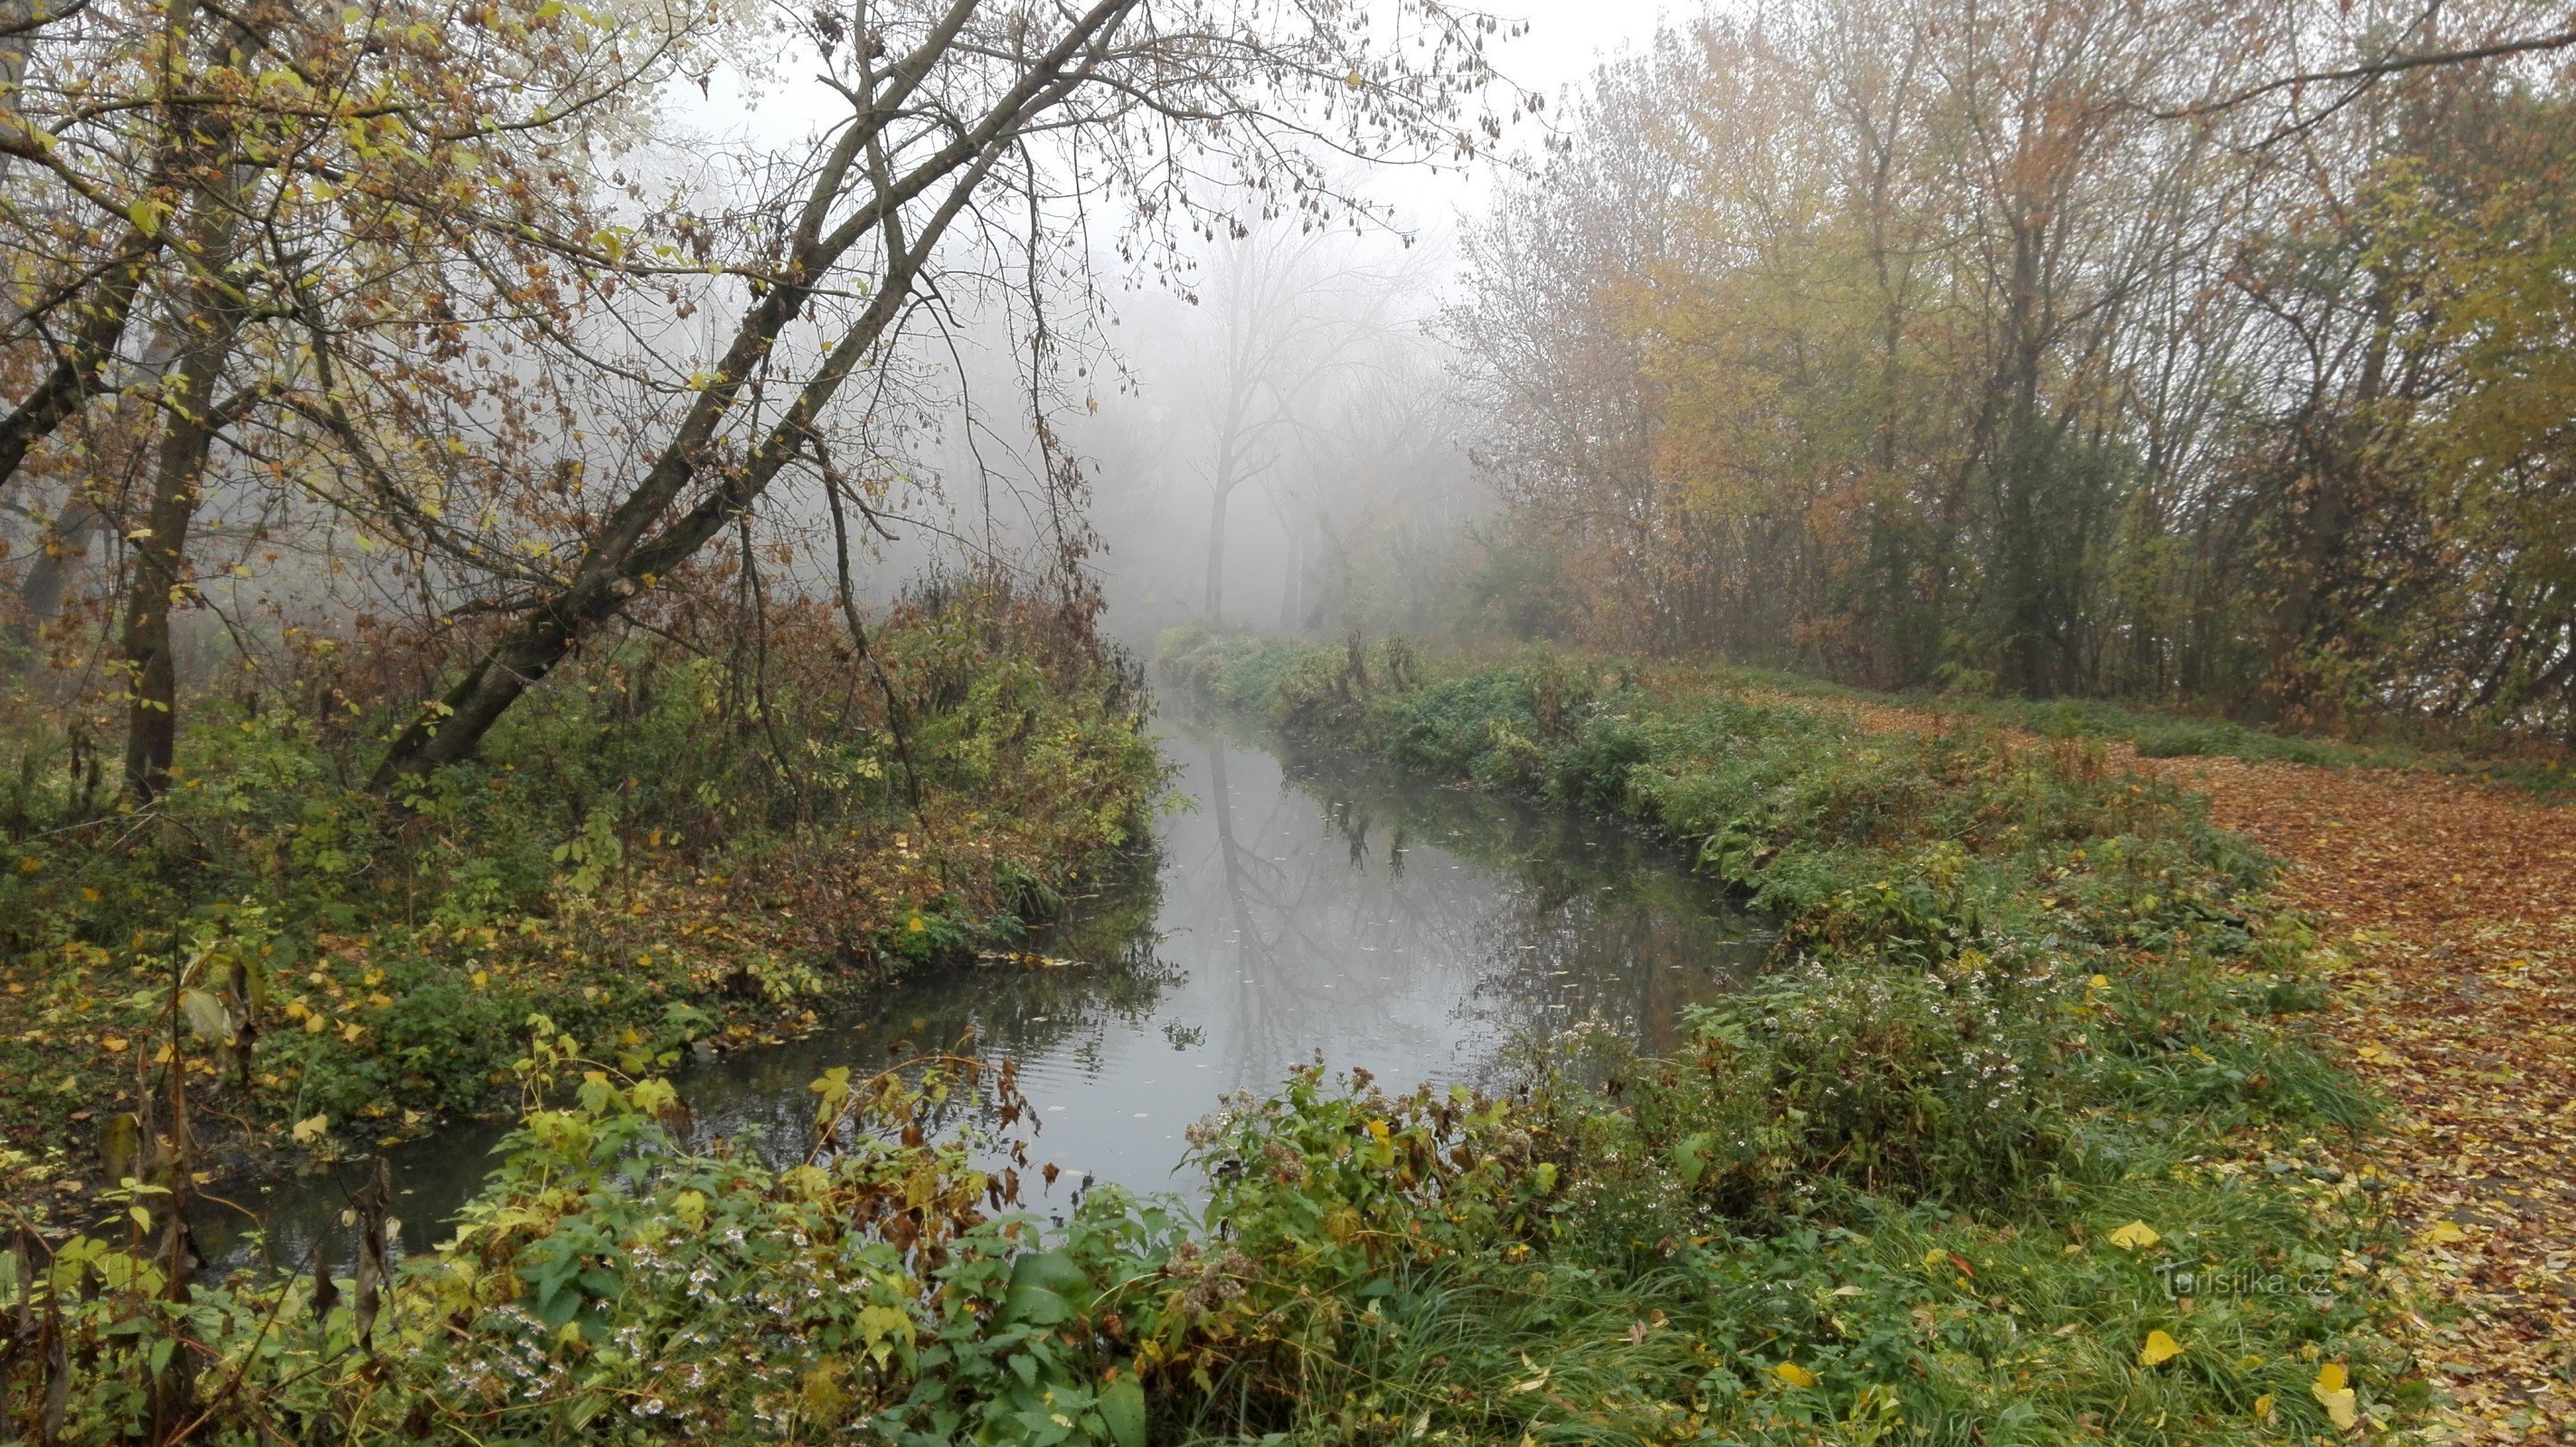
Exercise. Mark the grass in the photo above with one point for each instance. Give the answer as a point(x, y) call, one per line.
point(2021, 1139)
point(649, 854)
point(2163, 734)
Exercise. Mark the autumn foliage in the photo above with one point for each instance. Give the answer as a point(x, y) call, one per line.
point(2047, 348)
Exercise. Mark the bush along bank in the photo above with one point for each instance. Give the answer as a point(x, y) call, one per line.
point(2019, 1143)
point(2022, 1137)
point(664, 849)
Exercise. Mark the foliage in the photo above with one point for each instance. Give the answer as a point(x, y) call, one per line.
point(660, 850)
point(1973, 349)
point(2022, 1142)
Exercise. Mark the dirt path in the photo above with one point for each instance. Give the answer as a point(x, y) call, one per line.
point(2452, 907)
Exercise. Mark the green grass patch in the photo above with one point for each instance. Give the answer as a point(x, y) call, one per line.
point(2021, 1139)
point(2161, 734)
point(659, 848)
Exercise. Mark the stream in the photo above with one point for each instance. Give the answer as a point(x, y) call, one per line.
point(1298, 906)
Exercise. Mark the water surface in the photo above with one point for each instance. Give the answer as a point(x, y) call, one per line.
point(1297, 907)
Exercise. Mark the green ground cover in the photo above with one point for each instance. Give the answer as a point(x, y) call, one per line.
point(2163, 734)
point(2020, 1139)
point(649, 854)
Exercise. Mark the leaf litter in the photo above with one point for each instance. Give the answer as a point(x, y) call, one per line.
point(2450, 910)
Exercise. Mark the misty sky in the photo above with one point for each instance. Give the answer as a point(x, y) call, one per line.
point(1567, 38)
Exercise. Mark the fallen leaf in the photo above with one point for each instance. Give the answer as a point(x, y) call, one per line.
point(1794, 1374)
point(2135, 1236)
point(310, 1129)
point(2160, 1348)
point(2263, 1408)
point(2333, 1392)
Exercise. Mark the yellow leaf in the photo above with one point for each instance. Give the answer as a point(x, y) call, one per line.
point(2333, 1391)
point(824, 1398)
point(2160, 1347)
point(2263, 1408)
point(1935, 1256)
point(310, 1129)
point(2100, 982)
point(2135, 1236)
point(1794, 1374)
point(113, 1042)
point(2446, 1232)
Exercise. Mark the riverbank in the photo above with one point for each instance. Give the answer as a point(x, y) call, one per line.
point(648, 857)
point(2024, 1137)
point(2451, 909)
point(2020, 991)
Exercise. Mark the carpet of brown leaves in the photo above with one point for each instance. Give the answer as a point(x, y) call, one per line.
point(2451, 908)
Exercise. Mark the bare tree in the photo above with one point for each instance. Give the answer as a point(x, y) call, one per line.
point(1295, 316)
point(1183, 109)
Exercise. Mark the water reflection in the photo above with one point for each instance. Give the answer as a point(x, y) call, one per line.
point(1300, 907)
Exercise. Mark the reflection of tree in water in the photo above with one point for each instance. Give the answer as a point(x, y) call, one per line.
point(1560, 918)
point(758, 1099)
point(1319, 902)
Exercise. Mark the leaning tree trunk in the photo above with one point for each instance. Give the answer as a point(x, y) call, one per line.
point(206, 329)
point(628, 556)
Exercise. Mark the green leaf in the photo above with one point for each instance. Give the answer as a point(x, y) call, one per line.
point(1122, 1410)
point(1690, 1156)
point(1035, 1306)
point(1051, 1269)
point(206, 1015)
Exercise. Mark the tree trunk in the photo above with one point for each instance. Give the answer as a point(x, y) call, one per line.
point(206, 329)
point(627, 557)
point(66, 546)
point(1215, 602)
point(1292, 575)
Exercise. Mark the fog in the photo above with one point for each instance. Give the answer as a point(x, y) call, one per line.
point(1270, 428)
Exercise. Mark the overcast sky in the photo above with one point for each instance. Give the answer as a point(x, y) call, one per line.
point(1566, 39)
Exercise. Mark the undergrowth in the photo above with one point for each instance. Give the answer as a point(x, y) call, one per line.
point(660, 849)
point(2020, 1140)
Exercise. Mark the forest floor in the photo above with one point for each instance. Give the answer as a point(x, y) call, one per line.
point(2451, 910)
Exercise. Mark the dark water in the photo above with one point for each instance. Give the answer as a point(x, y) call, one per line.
point(1297, 907)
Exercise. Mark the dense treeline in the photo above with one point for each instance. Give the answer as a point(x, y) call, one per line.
point(438, 328)
point(2058, 346)
point(445, 498)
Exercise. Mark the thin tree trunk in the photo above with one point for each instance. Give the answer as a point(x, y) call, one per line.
point(1292, 574)
point(1215, 602)
point(206, 330)
point(67, 543)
